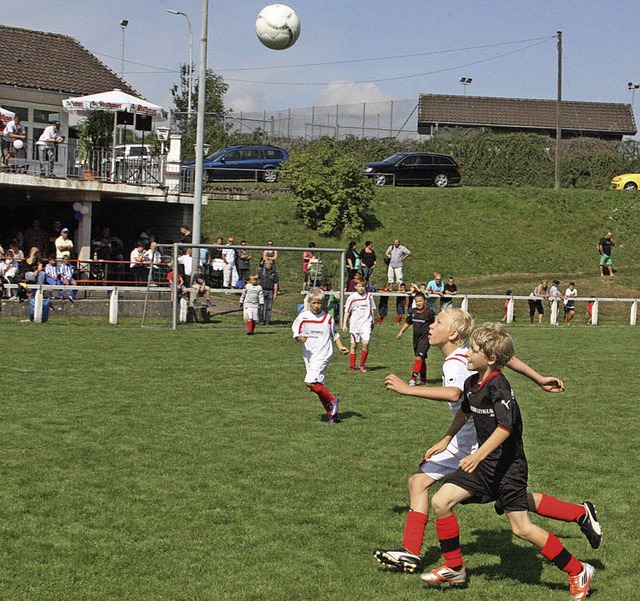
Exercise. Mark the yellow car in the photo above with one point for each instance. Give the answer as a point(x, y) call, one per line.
point(626, 181)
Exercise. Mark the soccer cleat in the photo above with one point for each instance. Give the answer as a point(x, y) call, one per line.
point(334, 418)
point(412, 382)
point(363, 369)
point(445, 575)
point(590, 526)
point(422, 383)
point(400, 559)
point(579, 585)
point(352, 369)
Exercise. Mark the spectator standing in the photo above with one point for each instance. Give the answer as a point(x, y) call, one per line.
point(540, 292)
point(434, 286)
point(401, 302)
point(268, 278)
point(367, 260)
point(352, 259)
point(269, 253)
point(396, 254)
point(570, 303)
point(35, 236)
point(185, 265)
point(138, 263)
point(243, 262)
point(555, 296)
point(450, 290)
point(64, 245)
point(47, 148)
point(154, 259)
point(14, 130)
point(307, 256)
point(605, 247)
point(185, 235)
point(230, 271)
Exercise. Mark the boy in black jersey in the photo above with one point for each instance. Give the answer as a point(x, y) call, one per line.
point(497, 471)
point(420, 317)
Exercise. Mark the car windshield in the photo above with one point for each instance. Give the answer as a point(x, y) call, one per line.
point(216, 155)
point(396, 157)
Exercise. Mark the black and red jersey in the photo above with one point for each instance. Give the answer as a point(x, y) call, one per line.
point(420, 320)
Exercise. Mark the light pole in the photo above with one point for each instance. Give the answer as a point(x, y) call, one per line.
point(177, 12)
point(123, 25)
point(466, 81)
point(633, 87)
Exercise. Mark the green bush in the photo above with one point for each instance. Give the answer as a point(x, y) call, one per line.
point(330, 191)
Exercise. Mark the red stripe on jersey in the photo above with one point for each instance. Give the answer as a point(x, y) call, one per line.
point(493, 374)
point(503, 428)
point(366, 297)
point(306, 321)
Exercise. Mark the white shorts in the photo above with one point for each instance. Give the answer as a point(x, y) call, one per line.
point(363, 333)
point(316, 371)
point(250, 313)
point(445, 463)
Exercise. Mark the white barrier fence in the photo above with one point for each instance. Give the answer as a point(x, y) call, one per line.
point(113, 293)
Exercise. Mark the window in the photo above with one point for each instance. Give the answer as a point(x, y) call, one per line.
point(426, 160)
point(45, 116)
point(250, 154)
point(21, 111)
point(410, 161)
point(273, 154)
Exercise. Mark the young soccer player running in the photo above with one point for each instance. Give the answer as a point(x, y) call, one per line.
point(316, 330)
point(420, 317)
point(449, 333)
point(359, 312)
point(497, 470)
point(251, 299)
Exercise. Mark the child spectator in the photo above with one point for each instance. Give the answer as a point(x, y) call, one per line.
point(359, 311)
point(65, 269)
point(449, 333)
point(200, 286)
point(401, 303)
point(509, 293)
point(450, 290)
point(316, 329)
point(434, 287)
point(570, 302)
point(383, 304)
point(420, 317)
point(252, 302)
point(9, 272)
point(497, 470)
point(51, 275)
point(182, 289)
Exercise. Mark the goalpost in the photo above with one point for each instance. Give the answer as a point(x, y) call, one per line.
point(327, 272)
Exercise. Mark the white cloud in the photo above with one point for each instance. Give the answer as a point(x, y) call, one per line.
point(244, 98)
point(349, 92)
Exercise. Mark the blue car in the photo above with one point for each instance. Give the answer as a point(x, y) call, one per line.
point(243, 162)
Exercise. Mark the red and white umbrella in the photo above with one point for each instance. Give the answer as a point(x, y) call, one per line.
point(113, 102)
point(5, 116)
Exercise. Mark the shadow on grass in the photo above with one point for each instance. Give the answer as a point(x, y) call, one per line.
point(344, 416)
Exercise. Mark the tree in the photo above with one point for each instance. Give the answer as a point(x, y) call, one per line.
point(215, 129)
point(331, 192)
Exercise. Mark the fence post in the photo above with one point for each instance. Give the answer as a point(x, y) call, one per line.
point(37, 306)
point(113, 307)
point(594, 313)
point(554, 312)
point(465, 303)
point(634, 313)
point(510, 310)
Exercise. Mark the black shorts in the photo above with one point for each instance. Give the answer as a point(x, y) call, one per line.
point(486, 485)
point(421, 347)
point(569, 307)
point(535, 305)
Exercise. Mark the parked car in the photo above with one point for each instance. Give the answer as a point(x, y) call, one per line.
point(626, 181)
point(415, 169)
point(244, 162)
point(130, 153)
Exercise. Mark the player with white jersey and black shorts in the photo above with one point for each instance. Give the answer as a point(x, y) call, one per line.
point(359, 312)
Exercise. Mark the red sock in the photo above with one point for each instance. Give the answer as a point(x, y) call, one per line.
point(352, 360)
point(399, 319)
point(550, 507)
point(379, 320)
point(325, 396)
point(423, 371)
point(417, 366)
point(554, 551)
point(448, 533)
point(363, 356)
point(251, 325)
point(414, 527)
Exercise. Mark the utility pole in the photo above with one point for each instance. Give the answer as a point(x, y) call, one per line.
point(559, 112)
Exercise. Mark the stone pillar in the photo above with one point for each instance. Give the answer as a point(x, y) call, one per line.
point(83, 238)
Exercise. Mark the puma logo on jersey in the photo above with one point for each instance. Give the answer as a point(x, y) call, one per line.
point(505, 403)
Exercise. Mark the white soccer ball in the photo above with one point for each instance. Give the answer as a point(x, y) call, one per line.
point(18, 144)
point(278, 26)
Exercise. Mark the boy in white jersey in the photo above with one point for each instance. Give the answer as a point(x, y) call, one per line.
point(251, 299)
point(449, 333)
point(359, 311)
point(316, 330)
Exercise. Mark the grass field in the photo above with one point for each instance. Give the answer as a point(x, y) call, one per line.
point(193, 465)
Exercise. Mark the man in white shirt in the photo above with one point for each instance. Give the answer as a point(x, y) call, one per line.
point(14, 130)
point(230, 271)
point(47, 148)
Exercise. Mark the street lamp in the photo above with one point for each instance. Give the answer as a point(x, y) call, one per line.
point(466, 81)
point(633, 87)
point(123, 25)
point(177, 12)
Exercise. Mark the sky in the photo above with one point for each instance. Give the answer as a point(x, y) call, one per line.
point(354, 51)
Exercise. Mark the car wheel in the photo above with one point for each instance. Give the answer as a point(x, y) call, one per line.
point(441, 180)
point(270, 176)
point(631, 186)
point(379, 180)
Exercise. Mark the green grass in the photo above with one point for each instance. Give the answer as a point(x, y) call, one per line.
point(150, 464)
point(490, 239)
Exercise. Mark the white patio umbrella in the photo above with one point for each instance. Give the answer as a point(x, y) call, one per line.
point(114, 101)
point(6, 116)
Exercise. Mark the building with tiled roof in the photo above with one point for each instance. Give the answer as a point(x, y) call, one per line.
point(604, 120)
